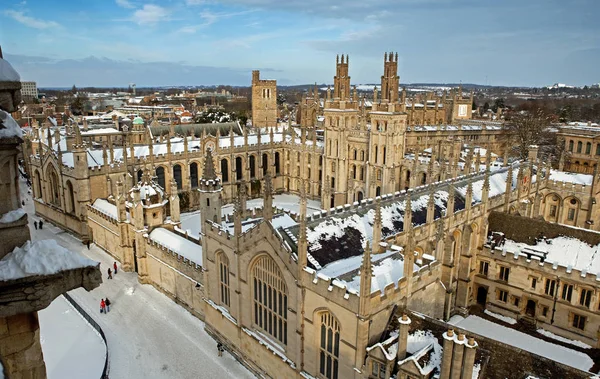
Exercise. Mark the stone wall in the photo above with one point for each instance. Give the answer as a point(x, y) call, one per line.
point(177, 279)
point(524, 229)
point(20, 346)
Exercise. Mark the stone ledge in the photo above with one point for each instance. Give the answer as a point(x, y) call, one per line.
point(34, 293)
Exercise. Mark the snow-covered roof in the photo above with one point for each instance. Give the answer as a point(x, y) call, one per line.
point(526, 342)
point(564, 251)
point(178, 244)
point(44, 257)
point(571, 177)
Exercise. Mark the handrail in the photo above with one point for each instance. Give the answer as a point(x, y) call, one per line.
point(94, 325)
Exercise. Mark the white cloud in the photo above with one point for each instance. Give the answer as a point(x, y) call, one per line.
point(150, 14)
point(124, 4)
point(30, 21)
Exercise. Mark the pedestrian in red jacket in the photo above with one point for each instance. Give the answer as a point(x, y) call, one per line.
point(102, 306)
point(115, 267)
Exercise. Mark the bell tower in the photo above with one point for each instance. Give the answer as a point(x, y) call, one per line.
point(390, 81)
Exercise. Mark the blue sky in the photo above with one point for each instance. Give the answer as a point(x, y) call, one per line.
point(195, 42)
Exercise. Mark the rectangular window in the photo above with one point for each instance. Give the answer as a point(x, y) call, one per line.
point(571, 215)
point(567, 292)
point(533, 283)
point(502, 296)
point(553, 211)
point(585, 298)
point(516, 301)
point(598, 149)
point(545, 311)
point(550, 287)
point(483, 268)
point(504, 272)
point(579, 322)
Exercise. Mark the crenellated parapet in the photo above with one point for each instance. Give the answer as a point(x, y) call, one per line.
point(537, 263)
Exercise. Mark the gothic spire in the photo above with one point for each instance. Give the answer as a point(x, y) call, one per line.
point(209, 167)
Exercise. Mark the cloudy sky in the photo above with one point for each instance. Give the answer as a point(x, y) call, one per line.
point(195, 42)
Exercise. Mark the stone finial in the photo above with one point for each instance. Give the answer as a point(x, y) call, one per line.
point(209, 167)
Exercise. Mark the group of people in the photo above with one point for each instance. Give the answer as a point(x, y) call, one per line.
point(40, 224)
point(104, 305)
point(110, 271)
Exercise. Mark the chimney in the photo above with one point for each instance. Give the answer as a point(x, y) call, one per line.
point(403, 336)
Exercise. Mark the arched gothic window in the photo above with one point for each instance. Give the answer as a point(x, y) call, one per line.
point(329, 348)
point(224, 170)
point(270, 298)
point(223, 264)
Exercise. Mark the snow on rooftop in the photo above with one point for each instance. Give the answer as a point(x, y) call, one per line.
point(11, 128)
point(343, 266)
point(571, 177)
point(44, 257)
point(526, 342)
point(565, 251)
point(178, 244)
point(385, 272)
point(106, 208)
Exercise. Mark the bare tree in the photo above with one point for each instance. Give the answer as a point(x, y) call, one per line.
point(528, 128)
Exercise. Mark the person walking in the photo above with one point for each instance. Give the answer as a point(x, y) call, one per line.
point(220, 349)
point(102, 306)
point(41, 224)
point(88, 244)
point(109, 273)
point(35, 224)
point(107, 302)
point(115, 267)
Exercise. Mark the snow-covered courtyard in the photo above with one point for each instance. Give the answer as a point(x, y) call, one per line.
point(148, 334)
point(71, 347)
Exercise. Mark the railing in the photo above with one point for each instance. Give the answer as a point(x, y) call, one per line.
point(95, 325)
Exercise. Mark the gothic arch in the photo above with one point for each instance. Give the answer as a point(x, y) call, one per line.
point(327, 342)
point(225, 170)
point(270, 294)
point(161, 176)
point(70, 198)
point(37, 184)
point(53, 189)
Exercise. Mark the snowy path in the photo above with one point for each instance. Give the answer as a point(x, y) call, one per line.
point(72, 348)
point(149, 336)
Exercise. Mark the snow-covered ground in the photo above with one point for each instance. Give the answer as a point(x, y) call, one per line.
point(71, 347)
point(526, 342)
point(148, 334)
point(563, 339)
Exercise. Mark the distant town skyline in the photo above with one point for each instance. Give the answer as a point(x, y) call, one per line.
point(203, 42)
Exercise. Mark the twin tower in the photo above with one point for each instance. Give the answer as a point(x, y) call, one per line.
point(390, 81)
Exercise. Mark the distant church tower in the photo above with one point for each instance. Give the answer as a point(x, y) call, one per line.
point(264, 101)
point(390, 80)
point(210, 189)
point(341, 80)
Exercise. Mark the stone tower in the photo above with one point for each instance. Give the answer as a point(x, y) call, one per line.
point(210, 189)
point(341, 80)
point(264, 101)
point(390, 80)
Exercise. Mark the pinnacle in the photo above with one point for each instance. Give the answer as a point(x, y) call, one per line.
point(209, 167)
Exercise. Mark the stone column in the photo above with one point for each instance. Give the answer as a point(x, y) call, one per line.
point(20, 346)
point(403, 336)
point(457, 356)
